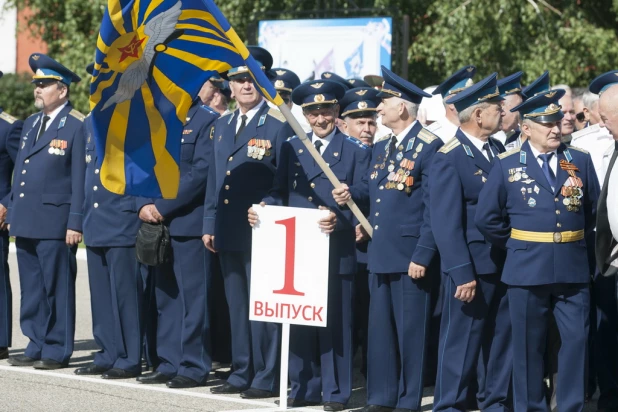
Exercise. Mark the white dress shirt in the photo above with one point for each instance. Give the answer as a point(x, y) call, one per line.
point(250, 114)
point(553, 162)
point(403, 134)
point(597, 141)
point(325, 140)
point(478, 143)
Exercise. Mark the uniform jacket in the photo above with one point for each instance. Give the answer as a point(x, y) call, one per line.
point(400, 220)
point(458, 174)
point(184, 215)
point(300, 182)
point(236, 181)
point(503, 206)
point(10, 132)
point(48, 186)
point(110, 220)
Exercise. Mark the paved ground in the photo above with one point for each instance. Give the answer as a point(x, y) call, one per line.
point(29, 390)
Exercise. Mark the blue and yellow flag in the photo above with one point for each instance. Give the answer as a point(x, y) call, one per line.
point(152, 58)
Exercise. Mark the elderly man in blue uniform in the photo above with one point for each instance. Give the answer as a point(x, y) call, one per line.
point(321, 358)
point(110, 227)
point(182, 283)
point(10, 132)
point(241, 173)
point(446, 127)
point(475, 331)
point(538, 203)
point(285, 81)
point(45, 216)
point(510, 88)
point(402, 251)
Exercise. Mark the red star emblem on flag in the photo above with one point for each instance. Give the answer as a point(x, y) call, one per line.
point(131, 50)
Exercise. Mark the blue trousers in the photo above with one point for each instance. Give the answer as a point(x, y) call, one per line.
point(116, 299)
point(183, 328)
point(320, 365)
point(255, 345)
point(47, 270)
point(475, 336)
point(529, 309)
point(6, 295)
point(399, 312)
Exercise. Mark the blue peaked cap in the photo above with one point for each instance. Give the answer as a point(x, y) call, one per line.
point(603, 82)
point(395, 86)
point(458, 81)
point(481, 92)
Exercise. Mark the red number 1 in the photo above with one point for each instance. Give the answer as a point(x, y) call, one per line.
point(290, 257)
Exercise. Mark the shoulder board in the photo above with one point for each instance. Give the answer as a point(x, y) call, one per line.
point(276, 114)
point(77, 115)
point(450, 145)
point(226, 116)
point(579, 149)
point(357, 142)
point(426, 136)
point(8, 118)
point(208, 109)
point(508, 153)
point(381, 139)
point(587, 130)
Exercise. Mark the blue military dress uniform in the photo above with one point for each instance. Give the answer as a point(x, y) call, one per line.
point(10, 131)
point(239, 177)
point(541, 218)
point(182, 284)
point(47, 200)
point(474, 336)
point(320, 365)
point(110, 227)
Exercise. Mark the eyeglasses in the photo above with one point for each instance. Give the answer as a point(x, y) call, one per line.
point(581, 117)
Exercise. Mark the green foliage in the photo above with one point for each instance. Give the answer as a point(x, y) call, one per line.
point(16, 95)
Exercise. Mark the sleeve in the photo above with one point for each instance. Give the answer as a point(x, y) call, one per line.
point(359, 190)
point(78, 179)
point(192, 184)
point(278, 195)
point(426, 247)
point(210, 199)
point(12, 147)
point(361, 166)
point(447, 204)
point(490, 216)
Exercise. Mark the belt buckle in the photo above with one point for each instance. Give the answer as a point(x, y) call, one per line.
point(557, 237)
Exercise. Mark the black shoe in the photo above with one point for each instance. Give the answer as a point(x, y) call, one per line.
point(333, 406)
point(21, 360)
point(182, 382)
point(4, 353)
point(91, 369)
point(117, 373)
point(298, 403)
point(223, 374)
point(226, 388)
point(49, 364)
point(153, 377)
point(253, 393)
point(377, 408)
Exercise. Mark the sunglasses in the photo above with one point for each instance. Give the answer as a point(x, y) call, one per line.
point(581, 117)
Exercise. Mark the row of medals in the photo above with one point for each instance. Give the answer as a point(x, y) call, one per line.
point(56, 147)
point(258, 148)
point(400, 179)
point(572, 192)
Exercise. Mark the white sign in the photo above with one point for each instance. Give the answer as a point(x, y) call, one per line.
point(289, 266)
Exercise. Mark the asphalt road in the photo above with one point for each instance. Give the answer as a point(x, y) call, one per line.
point(29, 390)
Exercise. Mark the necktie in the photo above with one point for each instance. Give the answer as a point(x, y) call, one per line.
point(490, 155)
point(549, 174)
point(392, 146)
point(42, 129)
point(242, 126)
point(318, 145)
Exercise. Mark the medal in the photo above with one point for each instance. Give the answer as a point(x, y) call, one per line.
point(400, 186)
point(391, 168)
point(531, 202)
point(399, 156)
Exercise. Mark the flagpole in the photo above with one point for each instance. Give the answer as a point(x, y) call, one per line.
point(287, 113)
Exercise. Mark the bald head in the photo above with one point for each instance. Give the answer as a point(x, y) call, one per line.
point(608, 110)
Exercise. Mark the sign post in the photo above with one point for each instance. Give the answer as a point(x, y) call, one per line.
point(289, 274)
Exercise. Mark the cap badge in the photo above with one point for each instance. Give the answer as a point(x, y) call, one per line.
point(361, 92)
point(469, 82)
point(281, 72)
point(317, 85)
point(470, 69)
point(35, 57)
point(318, 98)
point(362, 105)
point(327, 75)
point(279, 83)
point(550, 95)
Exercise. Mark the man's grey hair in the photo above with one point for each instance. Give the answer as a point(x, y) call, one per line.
point(466, 114)
point(564, 87)
point(412, 108)
point(589, 99)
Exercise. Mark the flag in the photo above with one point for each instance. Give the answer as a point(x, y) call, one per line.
point(152, 58)
point(354, 62)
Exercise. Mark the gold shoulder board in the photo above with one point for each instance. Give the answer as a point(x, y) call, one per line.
point(77, 115)
point(276, 114)
point(508, 153)
point(450, 145)
point(426, 136)
point(9, 119)
point(579, 149)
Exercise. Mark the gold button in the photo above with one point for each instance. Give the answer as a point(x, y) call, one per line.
point(96, 205)
point(310, 199)
point(182, 140)
point(377, 213)
point(23, 172)
point(21, 195)
point(228, 173)
point(227, 187)
point(378, 201)
point(300, 150)
point(95, 188)
point(557, 212)
point(226, 201)
point(27, 161)
point(376, 227)
point(96, 171)
point(556, 200)
point(558, 225)
point(381, 187)
point(312, 185)
point(230, 159)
